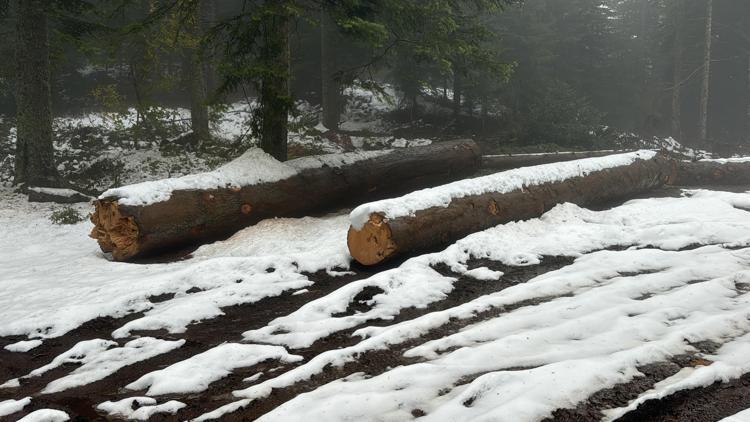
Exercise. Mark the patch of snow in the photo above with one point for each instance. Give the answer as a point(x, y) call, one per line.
point(743, 416)
point(23, 346)
point(139, 408)
point(8, 407)
point(502, 182)
point(320, 127)
point(727, 160)
point(253, 378)
point(46, 415)
point(484, 273)
point(102, 363)
point(334, 160)
point(99, 359)
point(194, 375)
point(55, 191)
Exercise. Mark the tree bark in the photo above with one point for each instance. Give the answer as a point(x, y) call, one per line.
point(330, 89)
point(706, 81)
point(457, 82)
point(381, 239)
point(711, 173)
point(196, 216)
point(197, 81)
point(207, 21)
point(677, 72)
point(34, 162)
point(275, 97)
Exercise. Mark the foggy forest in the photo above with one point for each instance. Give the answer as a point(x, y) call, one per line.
point(375, 210)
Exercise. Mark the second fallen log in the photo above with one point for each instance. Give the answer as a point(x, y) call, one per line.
point(431, 218)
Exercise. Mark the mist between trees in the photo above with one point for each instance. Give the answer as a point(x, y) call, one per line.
point(515, 74)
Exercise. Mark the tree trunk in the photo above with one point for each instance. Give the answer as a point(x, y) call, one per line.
point(706, 81)
point(747, 98)
point(34, 163)
point(456, 92)
point(677, 72)
point(711, 173)
point(381, 239)
point(196, 81)
point(207, 21)
point(275, 98)
point(330, 89)
point(195, 216)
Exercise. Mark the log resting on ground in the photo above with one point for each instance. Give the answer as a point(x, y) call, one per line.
point(512, 161)
point(701, 173)
point(192, 217)
point(382, 238)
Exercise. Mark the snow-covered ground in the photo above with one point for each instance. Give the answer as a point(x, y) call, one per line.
point(650, 280)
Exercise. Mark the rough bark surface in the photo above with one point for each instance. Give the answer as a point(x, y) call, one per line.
point(381, 239)
point(34, 164)
point(196, 79)
point(512, 161)
point(195, 216)
point(709, 173)
point(330, 86)
point(274, 93)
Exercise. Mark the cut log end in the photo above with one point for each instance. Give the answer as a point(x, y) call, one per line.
point(373, 243)
point(114, 232)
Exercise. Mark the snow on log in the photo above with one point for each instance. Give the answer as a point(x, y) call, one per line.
point(429, 218)
point(728, 171)
point(512, 161)
point(147, 218)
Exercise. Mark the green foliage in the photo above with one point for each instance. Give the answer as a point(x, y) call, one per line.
point(66, 215)
point(561, 116)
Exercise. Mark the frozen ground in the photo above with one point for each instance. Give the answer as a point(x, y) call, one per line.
point(276, 323)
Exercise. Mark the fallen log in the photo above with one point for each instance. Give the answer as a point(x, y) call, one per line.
point(144, 219)
point(712, 172)
point(439, 216)
point(504, 162)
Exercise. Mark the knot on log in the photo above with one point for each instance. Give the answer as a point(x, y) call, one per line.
point(246, 209)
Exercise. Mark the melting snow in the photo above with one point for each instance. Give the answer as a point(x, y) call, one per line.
point(193, 375)
point(8, 407)
point(139, 408)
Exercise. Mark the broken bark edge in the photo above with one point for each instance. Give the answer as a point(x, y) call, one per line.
point(373, 243)
point(114, 232)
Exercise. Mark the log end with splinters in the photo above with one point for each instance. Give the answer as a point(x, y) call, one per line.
point(373, 243)
point(114, 232)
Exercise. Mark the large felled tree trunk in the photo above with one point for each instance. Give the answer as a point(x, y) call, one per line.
point(383, 236)
point(195, 216)
point(34, 163)
point(275, 97)
point(330, 87)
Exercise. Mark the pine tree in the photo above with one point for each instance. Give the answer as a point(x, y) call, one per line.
point(34, 163)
